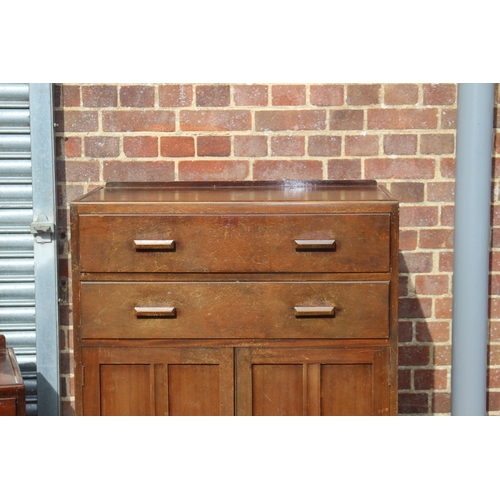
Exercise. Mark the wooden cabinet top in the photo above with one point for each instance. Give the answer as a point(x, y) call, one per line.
point(243, 197)
point(10, 376)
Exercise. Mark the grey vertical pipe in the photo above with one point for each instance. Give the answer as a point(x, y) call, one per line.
point(471, 248)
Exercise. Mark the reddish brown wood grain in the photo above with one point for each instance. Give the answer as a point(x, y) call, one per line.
point(246, 298)
point(234, 310)
point(12, 389)
point(225, 244)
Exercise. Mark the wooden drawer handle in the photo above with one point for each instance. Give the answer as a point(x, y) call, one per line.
point(315, 245)
point(155, 312)
point(308, 312)
point(154, 245)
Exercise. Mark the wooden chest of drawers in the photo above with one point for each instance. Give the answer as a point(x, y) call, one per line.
point(12, 389)
point(235, 299)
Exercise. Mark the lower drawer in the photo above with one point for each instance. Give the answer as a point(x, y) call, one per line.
point(235, 310)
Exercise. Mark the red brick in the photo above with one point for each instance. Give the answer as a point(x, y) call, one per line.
point(407, 240)
point(290, 120)
point(67, 193)
point(215, 120)
point(400, 144)
point(404, 379)
point(436, 238)
point(63, 386)
point(76, 121)
point(494, 378)
point(360, 95)
point(177, 146)
point(494, 354)
point(440, 191)
point(250, 145)
point(439, 94)
point(63, 222)
point(139, 171)
point(70, 147)
point(432, 285)
point(445, 262)
point(403, 286)
point(347, 119)
point(418, 216)
point(140, 146)
point(102, 147)
point(138, 121)
point(213, 95)
point(175, 96)
point(288, 95)
point(495, 215)
point(494, 331)
point(288, 145)
point(324, 145)
point(495, 238)
point(327, 95)
point(77, 171)
point(213, 146)
point(250, 95)
point(70, 96)
point(100, 96)
point(448, 118)
point(405, 329)
point(137, 96)
point(68, 408)
point(57, 95)
point(447, 215)
point(408, 192)
point(415, 262)
point(495, 261)
point(430, 379)
point(63, 339)
point(441, 402)
point(494, 309)
point(493, 403)
point(400, 94)
point(402, 119)
point(437, 144)
point(412, 355)
point(447, 211)
point(413, 403)
point(287, 169)
point(344, 169)
point(67, 362)
point(211, 170)
point(447, 167)
point(399, 168)
point(494, 284)
point(443, 308)
point(63, 262)
point(415, 308)
point(433, 331)
point(497, 143)
point(361, 145)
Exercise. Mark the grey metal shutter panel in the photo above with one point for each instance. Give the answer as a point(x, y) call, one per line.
point(28, 262)
point(17, 275)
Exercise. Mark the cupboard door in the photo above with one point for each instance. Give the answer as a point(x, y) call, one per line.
point(158, 381)
point(312, 381)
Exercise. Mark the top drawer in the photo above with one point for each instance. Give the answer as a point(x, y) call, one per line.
point(235, 243)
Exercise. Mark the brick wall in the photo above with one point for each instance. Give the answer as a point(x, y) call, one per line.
point(402, 135)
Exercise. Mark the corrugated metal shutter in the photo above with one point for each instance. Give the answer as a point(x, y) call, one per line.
point(17, 278)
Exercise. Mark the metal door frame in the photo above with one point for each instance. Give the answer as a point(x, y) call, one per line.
point(46, 269)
